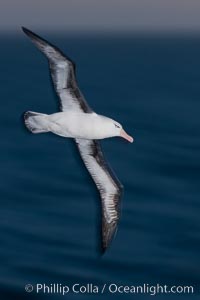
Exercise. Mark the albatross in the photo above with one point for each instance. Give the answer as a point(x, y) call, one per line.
point(78, 121)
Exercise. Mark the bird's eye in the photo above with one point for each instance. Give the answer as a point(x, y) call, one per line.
point(117, 126)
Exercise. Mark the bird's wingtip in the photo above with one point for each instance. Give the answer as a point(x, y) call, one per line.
point(31, 34)
point(24, 29)
point(103, 250)
point(108, 234)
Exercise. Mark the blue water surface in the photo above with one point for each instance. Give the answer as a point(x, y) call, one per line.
point(49, 206)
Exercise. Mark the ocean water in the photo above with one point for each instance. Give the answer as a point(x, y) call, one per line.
point(49, 206)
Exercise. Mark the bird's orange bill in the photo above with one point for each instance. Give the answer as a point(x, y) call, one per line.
point(126, 136)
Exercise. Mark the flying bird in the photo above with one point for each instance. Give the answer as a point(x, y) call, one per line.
point(78, 121)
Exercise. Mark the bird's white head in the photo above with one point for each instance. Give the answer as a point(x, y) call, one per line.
point(114, 128)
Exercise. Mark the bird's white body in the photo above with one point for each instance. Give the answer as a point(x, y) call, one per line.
point(75, 125)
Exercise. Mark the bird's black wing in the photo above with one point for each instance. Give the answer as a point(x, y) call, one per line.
point(62, 70)
point(108, 185)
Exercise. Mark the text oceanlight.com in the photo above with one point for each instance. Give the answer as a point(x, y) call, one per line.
point(112, 288)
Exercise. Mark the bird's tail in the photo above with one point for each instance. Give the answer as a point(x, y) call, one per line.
point(36, 122)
